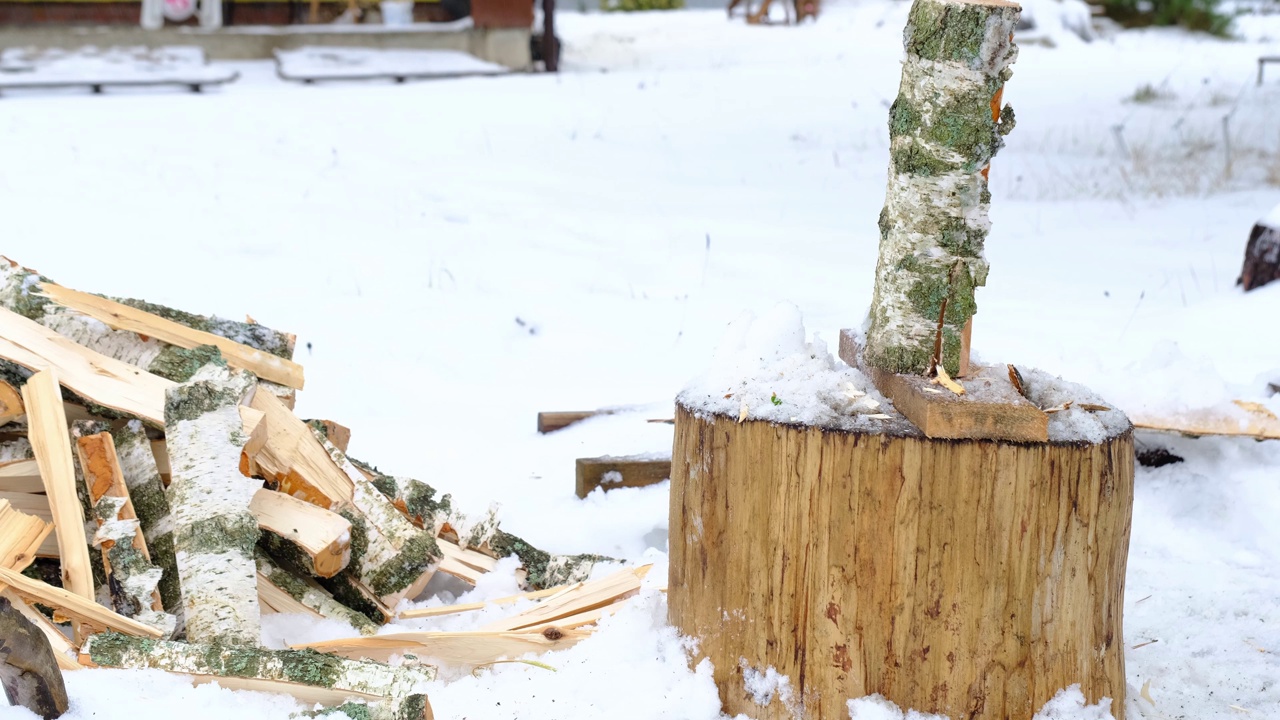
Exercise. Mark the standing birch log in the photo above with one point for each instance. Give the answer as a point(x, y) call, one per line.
point(944, 128)
point(216, 534)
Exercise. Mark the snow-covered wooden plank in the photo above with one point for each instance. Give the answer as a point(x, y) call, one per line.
point(468, 648)
point(215, 533)
point(309, 676)
point(322, 538)
point(1239, 418)
point(119, 316)
point(274, 581)
point(21, 476)
point(611, 473)
point(315, 64)
point(991, 407)
point(87, 612)
point(579, 599)
point(106, 381)
point(21, 535)
point(64, 651)
point(47, 431)
point(133, 580)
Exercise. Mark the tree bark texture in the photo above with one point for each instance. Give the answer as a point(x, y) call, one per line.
point(146, 490)
point(969, 578)
point(215, 534)
point(944, 128)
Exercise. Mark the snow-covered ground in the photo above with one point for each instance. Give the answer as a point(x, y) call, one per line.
point(457, 256)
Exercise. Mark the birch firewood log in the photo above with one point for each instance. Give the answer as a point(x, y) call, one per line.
point(215, 533)
point(146, 490)
point(944, 128)
point(312, 596)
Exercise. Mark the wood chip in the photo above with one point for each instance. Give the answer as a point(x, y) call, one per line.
point(1256, 408)
point(1015, 377)
point(945, 381)
point(742, 413)
point(1058, 408)
point(1146, 693)
point(1090, 407)
point(880, 416)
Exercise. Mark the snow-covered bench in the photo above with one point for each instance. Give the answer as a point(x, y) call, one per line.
point(96, 69)
point(317, 64)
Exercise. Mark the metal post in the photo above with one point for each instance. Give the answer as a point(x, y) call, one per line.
point(550, 47)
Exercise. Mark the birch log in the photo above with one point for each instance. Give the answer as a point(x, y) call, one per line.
point(310, 676)
point(132, 579)
point(312, 596)
point(216, 533)
point(944, 128)
point(146, 490)
point(20, 292)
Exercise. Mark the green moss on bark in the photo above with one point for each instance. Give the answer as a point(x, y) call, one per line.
point(236, 533)
point(179, 364)
point(345, 589)
point(255, 336)
point(413, 560)
point(539, 573)
point(947, 31)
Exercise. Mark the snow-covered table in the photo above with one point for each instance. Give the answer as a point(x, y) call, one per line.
point(96, 68)
point(312, 64)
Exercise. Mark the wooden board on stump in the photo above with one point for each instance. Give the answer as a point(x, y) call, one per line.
point(970, 578)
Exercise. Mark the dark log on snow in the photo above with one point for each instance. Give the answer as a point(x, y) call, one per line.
point(1261, 257)
point(28, 669)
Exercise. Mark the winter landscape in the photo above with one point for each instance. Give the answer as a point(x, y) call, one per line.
point(456, 256)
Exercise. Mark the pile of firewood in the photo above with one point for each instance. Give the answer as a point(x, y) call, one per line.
point(158, 495)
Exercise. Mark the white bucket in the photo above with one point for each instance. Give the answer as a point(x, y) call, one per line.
point(397, 12)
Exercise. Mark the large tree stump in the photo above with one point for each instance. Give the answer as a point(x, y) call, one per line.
point(970, 578)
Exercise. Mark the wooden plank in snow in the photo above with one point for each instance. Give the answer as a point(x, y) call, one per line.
point(611, 473)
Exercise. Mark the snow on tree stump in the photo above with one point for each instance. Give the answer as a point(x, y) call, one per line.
point(824, 548)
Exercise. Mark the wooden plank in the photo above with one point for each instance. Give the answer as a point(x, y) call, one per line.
point(47, 428)
point(293, 458)
point(990, 408)
point(460, 648)
point(86, 611)
point(21, 535)
point(123, 317)
point(106, 381)
point(21, 476)
point(64, 651)
point(552, 421)
point(161, 454)
point(1241, 418)
point(324, 536)
point(11, 407)
point(611, 473)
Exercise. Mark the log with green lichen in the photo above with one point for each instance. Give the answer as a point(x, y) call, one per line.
point(20, 293)
point(944, 128)
point(151, 504)
point(215, 534)
point(131, 577)
point(276, 670)
point(414, 707)
point(312, 595)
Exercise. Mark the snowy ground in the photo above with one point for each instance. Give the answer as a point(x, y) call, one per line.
point(456, 256)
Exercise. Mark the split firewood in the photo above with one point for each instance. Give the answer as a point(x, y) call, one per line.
point(132, 579)
point(64, 652)
point(416, 499)
point(580, 598)
point(37, 505)
point(21, 476)
point(121, 317)
point(11, 407)
point(319, 539)
point(308, 596)
point(100, 379)
point(20, 292)
point(216, 534)
point(52, 446)
point(466, 648)
point(430, 612)
point(414, 707)
point(339, 435)
point(151, 504)
point(21, 536)
point(29, 668)
point(15, 450)
point(309, 676)
point(88, 612)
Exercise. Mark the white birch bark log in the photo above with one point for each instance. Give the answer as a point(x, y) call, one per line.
point(312, 596)
point(944, 128)
point(215, 533)
point(19, 288)
point(361, 678)
point(19, 449)
point(146, 489)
